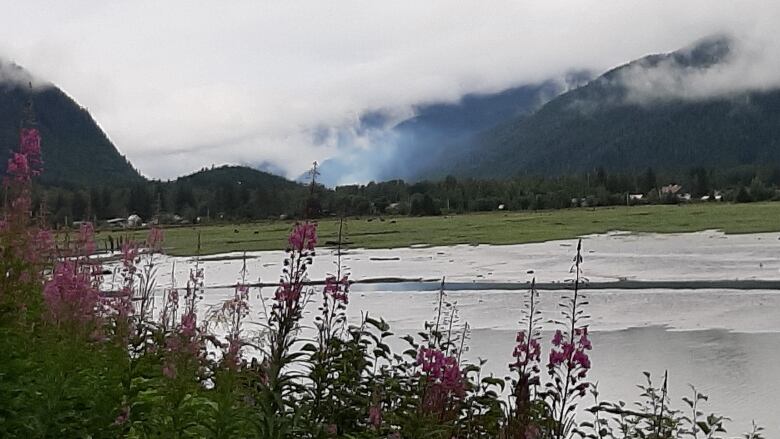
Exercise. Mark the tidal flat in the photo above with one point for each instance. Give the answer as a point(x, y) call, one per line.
point(720, 340)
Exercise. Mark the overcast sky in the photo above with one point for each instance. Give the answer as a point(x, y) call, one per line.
point(178, 85)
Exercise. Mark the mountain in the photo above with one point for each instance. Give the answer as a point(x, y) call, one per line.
point(75, 150)
point(639, 115)
point(235, 191)
point(239, 176)
point(417, 146)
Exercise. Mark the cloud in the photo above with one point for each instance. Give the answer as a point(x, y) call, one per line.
point(13, 74)
point(179, 85)
point(742, 63)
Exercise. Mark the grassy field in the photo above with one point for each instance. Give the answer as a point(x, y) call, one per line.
point(482, 228)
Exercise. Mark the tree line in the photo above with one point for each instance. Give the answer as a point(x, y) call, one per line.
point(238, 199)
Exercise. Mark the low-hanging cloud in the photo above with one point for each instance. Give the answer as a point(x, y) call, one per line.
point(742, 63)
point(11, 73)
point(180, 85)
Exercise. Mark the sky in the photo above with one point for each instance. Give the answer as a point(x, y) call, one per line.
point(181, 85)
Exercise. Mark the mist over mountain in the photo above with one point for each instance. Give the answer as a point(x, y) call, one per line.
point(75, 150)
point(669, 111)
point(384, 147)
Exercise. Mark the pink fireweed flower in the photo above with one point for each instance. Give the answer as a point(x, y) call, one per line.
point(287, 292)
point(130, 253)
point(188, 324)
point(30, 146)
point(303, 237)
point(572, 354)
point(526, 352)
point(375, 416)
point(169, 371)
point(86, 240)
point(124, 415)
point(337, 289)
point(442, 369)
point(70, 294)
point(19, 168)
point(557, 338)
point(183, 345)
point(155, 239)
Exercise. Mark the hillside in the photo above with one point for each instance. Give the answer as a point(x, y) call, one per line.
point(236, 175)
point(418, 146)
point(234, 191)
point(598, 125)
point(74, 148)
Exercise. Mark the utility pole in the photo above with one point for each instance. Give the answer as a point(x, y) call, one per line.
point(313, 174)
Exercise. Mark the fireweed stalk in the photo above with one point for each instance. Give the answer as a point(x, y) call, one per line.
point(569, 362)
point(72, 294)
point(284, 318)
point(330, 324)
point(443, 384)
point(184, 345)
point(26, 246)
point(523, 407)
point(230, 315)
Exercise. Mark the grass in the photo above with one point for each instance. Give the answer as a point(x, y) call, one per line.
point(479, 228)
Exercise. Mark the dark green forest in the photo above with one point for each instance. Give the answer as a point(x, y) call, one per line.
point(233, 193)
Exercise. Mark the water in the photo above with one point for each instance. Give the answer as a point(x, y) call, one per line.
point(723, 341)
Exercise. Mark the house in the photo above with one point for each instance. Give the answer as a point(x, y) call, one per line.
point(134, 221)
point(393, 208)
point(635, 197)
point(117, 222)
point(671, 189)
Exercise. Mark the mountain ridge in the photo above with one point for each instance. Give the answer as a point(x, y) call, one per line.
point(75, 150)
point(598, 125)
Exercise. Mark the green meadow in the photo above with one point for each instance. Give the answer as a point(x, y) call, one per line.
point(476, 228)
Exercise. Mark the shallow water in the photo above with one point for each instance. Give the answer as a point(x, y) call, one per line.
point(723, 341)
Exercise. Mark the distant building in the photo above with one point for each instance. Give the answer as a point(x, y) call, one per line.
point(635, 197)
point(117, 222)
point(134, 221)
point(393, 208)
point(671, 189)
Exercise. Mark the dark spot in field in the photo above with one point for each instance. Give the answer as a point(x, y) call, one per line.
point(235, 230)
point(334, 243)
point(380, 232)
point(256, 232)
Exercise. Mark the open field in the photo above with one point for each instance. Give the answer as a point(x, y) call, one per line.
point(479, 228)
